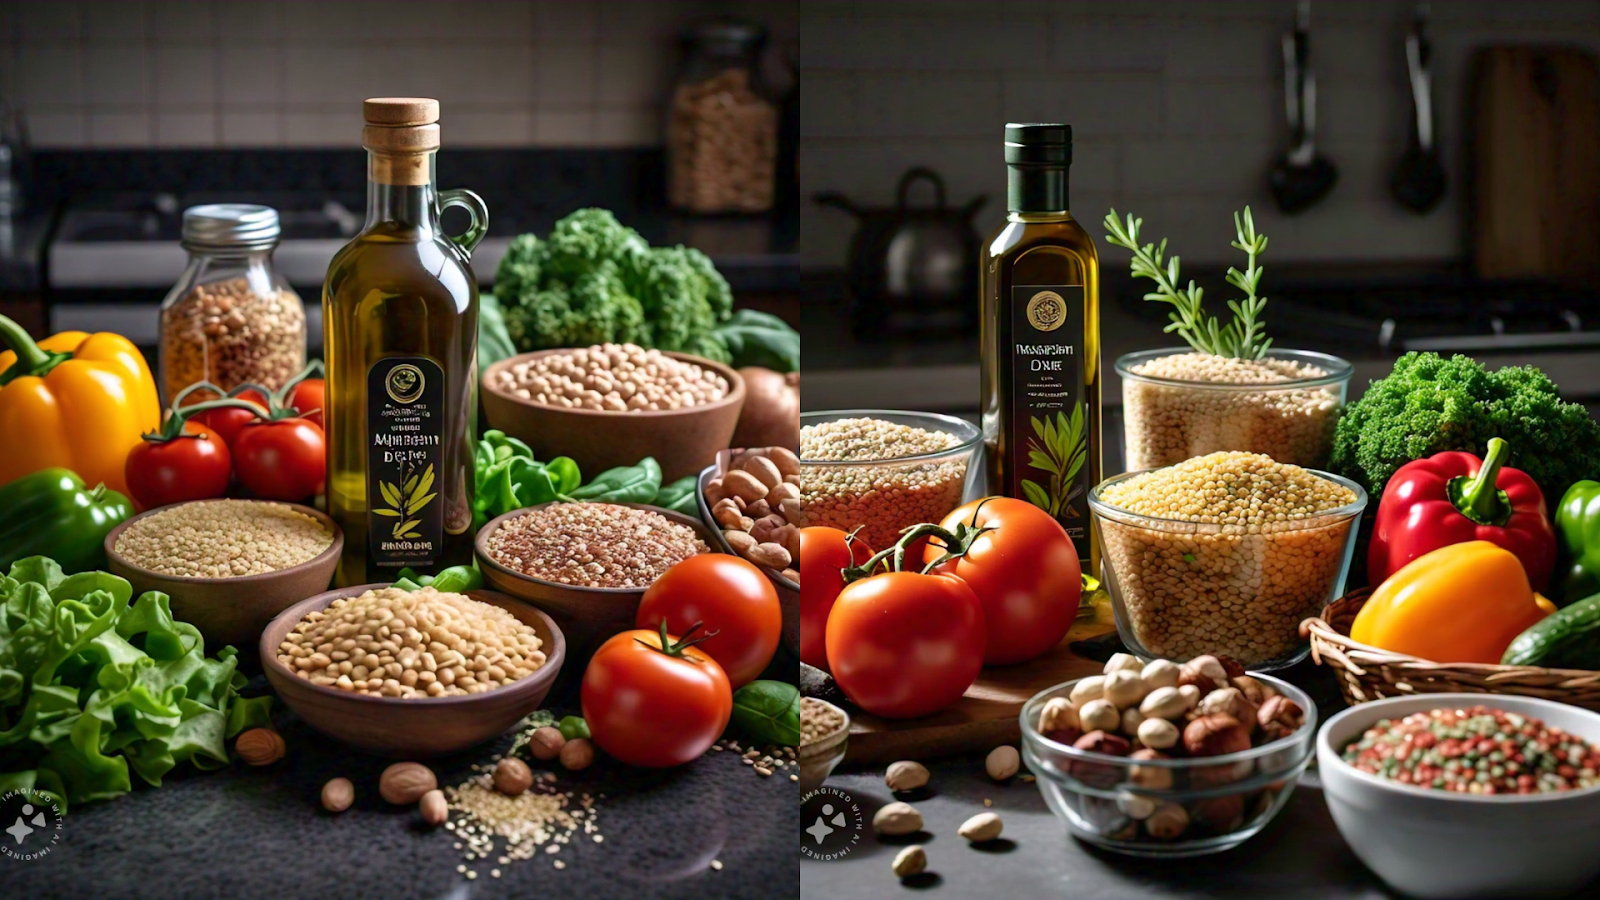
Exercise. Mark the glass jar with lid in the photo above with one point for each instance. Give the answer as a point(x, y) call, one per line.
point(231, 319)
point(722, 128)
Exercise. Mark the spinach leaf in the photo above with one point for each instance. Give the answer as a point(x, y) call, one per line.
point(761, 339)
point(679, 496)
point(624, 484)
point(768, 711)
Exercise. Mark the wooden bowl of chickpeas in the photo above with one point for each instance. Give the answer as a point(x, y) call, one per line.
point(612, 405)
point(412, 674)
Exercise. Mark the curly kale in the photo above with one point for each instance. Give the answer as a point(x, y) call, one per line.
point(1429, 404)
point(594, 280)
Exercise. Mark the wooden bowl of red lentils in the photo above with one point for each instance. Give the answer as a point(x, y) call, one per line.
point(384, 714)
point(678, 408)
point(587, 564)
point(229, 566)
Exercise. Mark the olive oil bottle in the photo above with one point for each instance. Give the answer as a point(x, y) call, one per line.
point(400, 333)
point(1040, 340)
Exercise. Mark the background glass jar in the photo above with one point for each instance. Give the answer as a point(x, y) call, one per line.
point(722, 128)
point(232, 318)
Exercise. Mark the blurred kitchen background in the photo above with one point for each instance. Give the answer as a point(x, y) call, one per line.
point(118, 115)
point(1179, 114)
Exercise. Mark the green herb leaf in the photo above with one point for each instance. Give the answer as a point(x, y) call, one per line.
point(768, 712)
point(1037, 495)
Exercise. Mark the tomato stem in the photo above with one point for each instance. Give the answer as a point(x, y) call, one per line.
point(956, 544)
point(676, 648)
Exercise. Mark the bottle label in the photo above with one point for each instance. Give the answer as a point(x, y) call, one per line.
point(1050, 420)
point(405, 452)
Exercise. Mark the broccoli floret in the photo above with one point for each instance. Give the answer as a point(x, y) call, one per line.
point(593, 310)
point(1428, 405)
point(584, 239)
point(681, 294)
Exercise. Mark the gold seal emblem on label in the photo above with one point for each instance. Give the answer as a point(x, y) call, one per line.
point(1047, 311)
point(404, 384)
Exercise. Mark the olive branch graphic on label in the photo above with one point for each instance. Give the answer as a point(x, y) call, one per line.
point(407, 500)
point(1059, 447)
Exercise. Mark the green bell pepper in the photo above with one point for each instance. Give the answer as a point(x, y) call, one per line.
point(454, 580)
point(51, 513)
point(1577, 525)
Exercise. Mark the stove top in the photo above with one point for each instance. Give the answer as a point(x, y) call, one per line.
point(159, 217)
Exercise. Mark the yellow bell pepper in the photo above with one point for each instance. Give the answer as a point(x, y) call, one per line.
point(1460, 603)
point(75, 400)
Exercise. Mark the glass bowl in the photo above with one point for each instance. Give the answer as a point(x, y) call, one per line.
point(1182, 589)
point(1169, 420)
point(1113, 801)
point(884, 496)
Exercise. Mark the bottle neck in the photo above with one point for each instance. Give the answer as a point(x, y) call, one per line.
point(1036, 189)
point(401, 190)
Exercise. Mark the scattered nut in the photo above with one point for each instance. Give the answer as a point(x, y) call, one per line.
point(577, 754)
point(1099, 715)
point(1151, 778)
point(1124, 688)
point(1123, 662)
point(982, 827)
point(1159, 673)
point(338, 794)
point(1091, 688)
point(512, 776)
point(546, 743)
point(1280, 717)
point(906, 775)
point(260, 746)
point(435, 810)
point(910, 861)
point(1058, 714)
point(897, 818)
point(1158, 734)
point(1163, 703)
point(1167, 823)
point(404, 783)
point(1002, 762)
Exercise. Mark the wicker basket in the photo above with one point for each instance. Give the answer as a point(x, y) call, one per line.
point(1367, 673)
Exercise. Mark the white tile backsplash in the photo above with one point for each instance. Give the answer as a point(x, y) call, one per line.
point(186, 76)
point(116, 74)
point(186, 129)
point(120, 129)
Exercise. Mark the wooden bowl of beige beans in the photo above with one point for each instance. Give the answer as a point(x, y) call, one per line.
point(229, 566)
point(612, 405)
point(750, 501)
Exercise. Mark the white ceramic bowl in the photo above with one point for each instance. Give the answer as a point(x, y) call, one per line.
point(1437, 844)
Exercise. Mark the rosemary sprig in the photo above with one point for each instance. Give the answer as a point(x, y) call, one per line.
point(1244, 337)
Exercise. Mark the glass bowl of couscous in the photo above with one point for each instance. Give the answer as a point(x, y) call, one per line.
point(1224, 554)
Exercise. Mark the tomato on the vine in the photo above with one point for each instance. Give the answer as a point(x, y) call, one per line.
point(824, 555)
point(737, 603)
point(309, 398)
point(191, 466)
point(284, 459)
point(903, 644)
point(227, 421)
point(654, 700)
point(1024, 569)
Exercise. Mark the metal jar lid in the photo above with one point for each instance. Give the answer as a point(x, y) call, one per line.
point(230, 226)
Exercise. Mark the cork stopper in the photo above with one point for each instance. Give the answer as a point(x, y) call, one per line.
point(401, 132)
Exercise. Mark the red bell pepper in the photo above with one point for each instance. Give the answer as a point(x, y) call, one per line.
point(1453, 497)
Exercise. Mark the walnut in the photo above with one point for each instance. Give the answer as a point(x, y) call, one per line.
point(1280, 717)
point(1233, 667)
point(1253, 690)
point(1231, 701)
point(1216, 735)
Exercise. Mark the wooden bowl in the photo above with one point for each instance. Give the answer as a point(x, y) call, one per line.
point(788, 591)
point(681, 440)
point(232, 610)
point(587, 615)
point(420, 727)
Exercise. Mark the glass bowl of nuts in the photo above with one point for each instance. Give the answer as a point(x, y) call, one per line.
point(1165, 759)
point(882, 470)
point(1226, 554)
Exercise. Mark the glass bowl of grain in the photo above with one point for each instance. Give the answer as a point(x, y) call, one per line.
point(883, 470)
point(1224, 554)
point(1179, 404)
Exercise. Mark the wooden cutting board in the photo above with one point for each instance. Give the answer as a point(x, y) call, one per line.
point(985, 717)
point(1535, 164)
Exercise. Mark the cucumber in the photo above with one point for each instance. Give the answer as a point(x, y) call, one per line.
point(1569, 638)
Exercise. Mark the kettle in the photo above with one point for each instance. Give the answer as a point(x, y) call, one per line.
point(911, 268)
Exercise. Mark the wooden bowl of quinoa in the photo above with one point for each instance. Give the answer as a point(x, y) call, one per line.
point(413, 727)
point(608, 602)
point(229, 566)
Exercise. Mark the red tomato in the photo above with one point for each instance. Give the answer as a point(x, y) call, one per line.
point(228, 420)
point(188, 467)
point(737, 603)
point(282, 460)
point(1025, 572)
point(654, 708)
point(308, 399)
point(902, 644)
point(823, 555)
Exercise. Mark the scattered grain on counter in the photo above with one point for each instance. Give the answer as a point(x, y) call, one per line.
point(881, 499)
point(1238, 590)
point(1167, 424)
point(227, 333)
point(763, 762)
point(602, 545)
point(818, 719)
point(541, 818)
point(395, 643)
point(614, 378)
point(223, 539)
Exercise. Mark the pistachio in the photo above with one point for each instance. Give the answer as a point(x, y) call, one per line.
point(1125, 688)
point(1091, 688)
point(910, 861)
point(1099, 715)
point(1163, 703)
point(1190, 694)
point(1158, 734)
point(906, 775)
point(1136, 806)
point(1159, 673)
point(1131, 720)
point(985, 826)
point(1058, 714)
point(1002, 762)
point(1122, 662)
point(897, 818)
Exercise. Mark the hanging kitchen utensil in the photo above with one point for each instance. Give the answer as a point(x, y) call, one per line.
point(1418, 181)
point(1301, 176)
point(911, 268)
